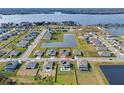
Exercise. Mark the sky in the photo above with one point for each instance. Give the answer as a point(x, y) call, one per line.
point(61, 3)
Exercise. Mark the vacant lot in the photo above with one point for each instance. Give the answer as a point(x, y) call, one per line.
point(87, 78)
point(89, 49)
point(26, 72)
point(2, 65)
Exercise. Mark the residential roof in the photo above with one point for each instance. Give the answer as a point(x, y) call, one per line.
point(101, 48)
point(47, 66)
point(52, 52)
point(14, 53)
point(2, 53)
point(31, 65)
point(105, 53)
point(11, 66)
point(38, 53)
point(65, 53)
point(78, 52)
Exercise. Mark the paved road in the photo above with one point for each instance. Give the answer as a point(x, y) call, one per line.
point(91, 59)
point(33, 45)
point(113, 49)
point(25, 56)
point(110, 47)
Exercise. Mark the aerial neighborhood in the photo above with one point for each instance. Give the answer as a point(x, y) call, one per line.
point(56, 54)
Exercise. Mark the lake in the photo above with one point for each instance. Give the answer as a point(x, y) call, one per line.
point(84, 19)
point(114, 74)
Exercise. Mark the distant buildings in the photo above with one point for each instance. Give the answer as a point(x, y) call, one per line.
point(26, 40)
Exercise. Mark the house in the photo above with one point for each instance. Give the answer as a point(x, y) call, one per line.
point(48, 36)
point(4, 37)
point(22, 44)
point(105, 53)
point(34, 34)
point(65, 53)
point(78, 53)
point(11, 66)
point(47, 66)
point(65, 65)
point(102, 48)
point(1, 32)
point(2, 53)
point(14, 53)
point(38, 53)
point(31, 65)
point(83, 65)
point(13, 33)
point(99, 45)
point(52, 52)
point(1, 39)
point(28, 38)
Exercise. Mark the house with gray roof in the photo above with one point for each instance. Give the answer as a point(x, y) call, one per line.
point(11, 66)
point(78, 53)
point(83, 65)
point(65, 65)
point(23, 44)
point(28, 38)
point(4, 37)
point(47, 66)
point(101, 48)
point(48, 36)
point(38, 53)
point(105, 53)
point(2, 53)
point(52, 52)
point(65, 53)
point(14, 53)
point(31, 65)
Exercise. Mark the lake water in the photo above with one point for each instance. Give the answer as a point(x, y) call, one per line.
point(114, 74)
point(84, 19)
point(69, 41)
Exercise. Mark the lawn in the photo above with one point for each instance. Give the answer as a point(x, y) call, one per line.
point(89, 49)
point(97, 71)
point(2, 65)
point(66, 78)
point(57, 37)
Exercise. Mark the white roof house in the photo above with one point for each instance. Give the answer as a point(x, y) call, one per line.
point(83, 65)
point(105, 53)
point(65, 65)
point(101, 48)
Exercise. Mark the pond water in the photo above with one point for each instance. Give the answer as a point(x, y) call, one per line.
point(114, 74)
point(69, 41)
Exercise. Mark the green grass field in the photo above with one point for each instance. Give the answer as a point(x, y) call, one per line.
point(66, 77)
